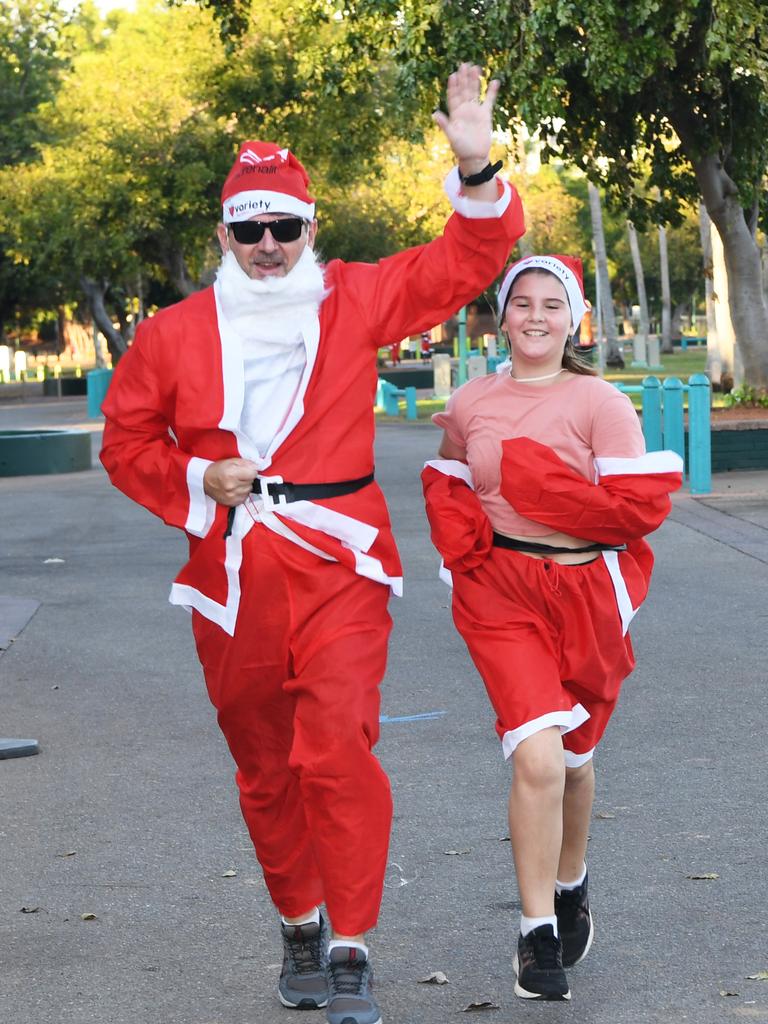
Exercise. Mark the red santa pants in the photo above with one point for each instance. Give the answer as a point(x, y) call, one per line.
point(297, 695)
point(547, 640)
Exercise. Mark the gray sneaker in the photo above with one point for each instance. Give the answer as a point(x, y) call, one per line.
point(350, 980)
point(302, 984)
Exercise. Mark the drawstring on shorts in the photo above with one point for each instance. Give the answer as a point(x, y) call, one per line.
point(553, 576)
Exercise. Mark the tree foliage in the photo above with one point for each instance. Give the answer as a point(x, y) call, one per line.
point(657, 102)
point(34, 54)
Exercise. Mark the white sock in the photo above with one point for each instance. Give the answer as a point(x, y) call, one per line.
point(311, 917)
point(334, 943)
point(527, 924)
point(559, 886)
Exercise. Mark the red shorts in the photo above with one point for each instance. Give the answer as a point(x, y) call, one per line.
point(547, 640)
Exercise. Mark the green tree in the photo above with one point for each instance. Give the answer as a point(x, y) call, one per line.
point(127, 177)
point(680, 87)
point(33, 56)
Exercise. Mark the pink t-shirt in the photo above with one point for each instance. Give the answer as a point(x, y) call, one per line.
point(580, 417)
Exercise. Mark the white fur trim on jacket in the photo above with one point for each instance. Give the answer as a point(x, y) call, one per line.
point(452, 467)
point(202, 508)
point(651, 462)
point(474, 209)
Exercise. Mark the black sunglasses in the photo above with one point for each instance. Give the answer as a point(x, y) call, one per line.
point(249, 232)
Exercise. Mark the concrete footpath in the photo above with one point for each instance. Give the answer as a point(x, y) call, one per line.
point(128, 887)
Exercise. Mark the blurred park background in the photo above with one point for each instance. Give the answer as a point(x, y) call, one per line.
point(636, 134)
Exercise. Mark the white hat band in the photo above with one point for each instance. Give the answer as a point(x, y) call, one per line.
point(564, 274)
point(245, 205)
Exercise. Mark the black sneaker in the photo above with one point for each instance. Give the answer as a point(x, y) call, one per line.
point(574, 922)
point(350, 984)
point(302, 984)
point(539, 966)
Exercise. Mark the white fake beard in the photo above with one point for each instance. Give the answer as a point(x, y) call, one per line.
point(271, 308)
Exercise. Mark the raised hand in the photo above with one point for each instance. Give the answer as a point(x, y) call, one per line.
point(468, 125)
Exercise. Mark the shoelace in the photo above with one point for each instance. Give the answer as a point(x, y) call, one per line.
point(547, 952)
point(570, 898)
point(305, 954)
point(347, 978)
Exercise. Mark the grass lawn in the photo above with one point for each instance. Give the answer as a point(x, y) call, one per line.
point(678, 364)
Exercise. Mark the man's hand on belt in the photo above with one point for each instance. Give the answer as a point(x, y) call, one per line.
point(229, 481)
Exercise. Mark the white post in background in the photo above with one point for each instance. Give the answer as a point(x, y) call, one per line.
point(441, 368)
point(19, 364)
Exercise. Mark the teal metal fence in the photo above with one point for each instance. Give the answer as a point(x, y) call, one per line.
point(388, 398)
point(664, 423)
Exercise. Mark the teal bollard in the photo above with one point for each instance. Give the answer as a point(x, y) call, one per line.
point(652, 414)
point(699, 435)
point(389, 392)
point(410, 403)
point(96, 386)
point(672, 421)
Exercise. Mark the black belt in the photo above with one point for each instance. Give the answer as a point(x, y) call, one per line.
point(302, 492)
point(500, 541)
point(310, 492)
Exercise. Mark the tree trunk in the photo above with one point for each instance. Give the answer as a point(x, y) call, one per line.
point(60, 329)
point(666, 318)
point(714, 365)
point(94, 292)
point(640, 341)
point(98, 348)
point(176, 266)
point(749, 312)
point(676, 328)
point(732, 372)
point(613, 356)
point(525, 247)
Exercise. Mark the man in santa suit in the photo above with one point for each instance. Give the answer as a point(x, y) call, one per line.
point(244, 416)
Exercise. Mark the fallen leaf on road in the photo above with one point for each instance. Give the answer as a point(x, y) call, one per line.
point(486, 1004)
point(760, 976)
point(708, 876)
point(229, 874)
point(53, 561)
point(69, 853)
point(29, 910)
point(457, 853)
point(504, 839)
point(606, 815)
point(88, 917)
point(438, 978)
point(725, 992)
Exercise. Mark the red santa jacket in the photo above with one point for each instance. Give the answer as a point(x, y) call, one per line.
point(175, 402)
point(629, 499)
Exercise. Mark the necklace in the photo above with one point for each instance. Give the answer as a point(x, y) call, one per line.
point(529, 380)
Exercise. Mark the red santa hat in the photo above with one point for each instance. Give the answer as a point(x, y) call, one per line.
point(567, 269)
point(266, 179)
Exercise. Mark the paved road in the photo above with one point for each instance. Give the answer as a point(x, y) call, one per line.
point(129, 813)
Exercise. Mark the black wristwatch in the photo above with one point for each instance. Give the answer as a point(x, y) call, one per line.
point(488, 172)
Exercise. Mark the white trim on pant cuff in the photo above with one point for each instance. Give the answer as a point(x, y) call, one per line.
point(567, 721)
point(577, 760)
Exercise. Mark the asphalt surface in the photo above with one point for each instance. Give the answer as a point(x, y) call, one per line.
point(130, 814)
